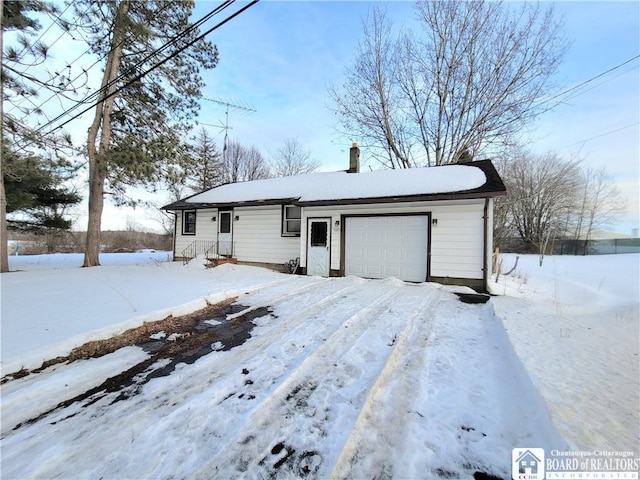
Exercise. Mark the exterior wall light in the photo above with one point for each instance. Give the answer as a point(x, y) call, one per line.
point(213, 219)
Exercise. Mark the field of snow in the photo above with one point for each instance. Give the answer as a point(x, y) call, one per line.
point(575, 323)
point(343, 377)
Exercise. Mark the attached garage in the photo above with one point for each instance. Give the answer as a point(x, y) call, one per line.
point(380, 246)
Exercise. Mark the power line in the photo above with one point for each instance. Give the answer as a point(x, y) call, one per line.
point(140, 63)
point(95, 94)
point(599, 84)
point(69, 65)
point(53, 22)
point(601, 135)
point(590, 80)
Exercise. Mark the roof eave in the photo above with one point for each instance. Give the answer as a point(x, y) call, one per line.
point(183, 205)
point(403, 199)
point(347, 201)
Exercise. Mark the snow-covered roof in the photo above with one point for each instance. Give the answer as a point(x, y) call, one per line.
point(343, 187)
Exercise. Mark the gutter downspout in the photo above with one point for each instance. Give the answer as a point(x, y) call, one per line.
point(485, 257)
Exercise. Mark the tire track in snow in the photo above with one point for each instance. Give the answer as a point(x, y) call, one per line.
point(369, 447)
point(178, 396)
point(281, 435)
point(270, 334)
point(279, 298)
point(330, 300)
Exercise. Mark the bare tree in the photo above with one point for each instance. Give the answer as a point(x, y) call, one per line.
point(241, 164)
point(599, 205)
point(542, 197)
point(370, 104)
point(474, 75)
point(292, 159)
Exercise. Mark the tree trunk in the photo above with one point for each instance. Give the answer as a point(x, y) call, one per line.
point(4, 252)
point(96, 204)
point(4, 260)
point(98, 157)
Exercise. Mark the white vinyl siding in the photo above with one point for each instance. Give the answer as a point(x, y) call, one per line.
point(206, 229)
point(257, 236)
point(457, 244)
point(456, 240)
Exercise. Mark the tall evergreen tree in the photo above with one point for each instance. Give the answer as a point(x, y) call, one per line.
point(17, 85)
point(137, 125)
point(36, 193)
point(207, 165)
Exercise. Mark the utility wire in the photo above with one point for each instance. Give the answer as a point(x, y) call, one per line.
point(17, 103)
point(53, 22)
point(172, 41)
point(601, 135)
point(590, 80)
point(577, 94)
point(139, 76)
point(95, 94)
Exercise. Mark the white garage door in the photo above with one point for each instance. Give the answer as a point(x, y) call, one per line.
point(387, 246)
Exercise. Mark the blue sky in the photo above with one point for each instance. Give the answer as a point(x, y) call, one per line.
point(279, 57)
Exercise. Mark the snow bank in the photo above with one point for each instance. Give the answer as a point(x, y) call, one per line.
point(575, 322)
point(51, 306)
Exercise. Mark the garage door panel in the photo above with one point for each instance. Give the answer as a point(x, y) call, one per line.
point(373, 271)
point(387, 246)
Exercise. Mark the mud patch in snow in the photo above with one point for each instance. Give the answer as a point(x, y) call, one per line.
point(169, 342)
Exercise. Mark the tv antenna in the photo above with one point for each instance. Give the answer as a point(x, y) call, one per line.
point(225, 127)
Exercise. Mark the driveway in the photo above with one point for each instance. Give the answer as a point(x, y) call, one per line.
point(344, 377)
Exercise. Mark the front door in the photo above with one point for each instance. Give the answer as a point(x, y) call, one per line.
point(225, 233)
point(318, 246)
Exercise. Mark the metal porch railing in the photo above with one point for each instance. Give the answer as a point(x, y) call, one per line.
point(197, 247)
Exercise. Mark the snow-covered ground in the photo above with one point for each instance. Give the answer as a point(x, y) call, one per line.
point(344, 378)
point(575, 323)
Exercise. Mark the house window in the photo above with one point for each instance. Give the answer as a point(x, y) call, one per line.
point(291, 216)
point(189, 222)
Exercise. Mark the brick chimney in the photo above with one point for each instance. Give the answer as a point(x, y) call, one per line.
point(354, 159)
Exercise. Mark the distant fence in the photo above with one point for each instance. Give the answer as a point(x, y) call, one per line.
point(596, 247)
point(575, 247)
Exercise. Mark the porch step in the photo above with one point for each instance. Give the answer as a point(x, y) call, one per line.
point(214, 262)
